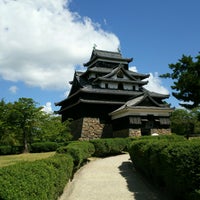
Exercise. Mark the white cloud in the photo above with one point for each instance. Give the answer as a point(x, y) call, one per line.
point(41, 41)
point(48, 108)
point(13, 89)
point(133, 68)
point(155, 84)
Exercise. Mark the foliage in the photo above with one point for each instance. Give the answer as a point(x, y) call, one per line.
point(7, 149)
point(79, 150)
point(185, 122)
point(186, 76)
point(44, 147)
point(7, 132)
point(51, 129)
point(22, 117)
point(108, 147)
point(173, 165)
point(23, 123)
point(42, 179)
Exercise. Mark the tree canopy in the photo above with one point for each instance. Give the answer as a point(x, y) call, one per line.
point(186, 122)
point(22, 123)
point(186, 76)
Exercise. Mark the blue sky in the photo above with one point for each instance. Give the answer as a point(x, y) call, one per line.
point(43, 42)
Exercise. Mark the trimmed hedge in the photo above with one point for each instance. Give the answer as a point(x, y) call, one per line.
point(79, 150)
point(109, 147)
point(8, 150)
point(42, 179)
point(39, 147)
point(171, 164)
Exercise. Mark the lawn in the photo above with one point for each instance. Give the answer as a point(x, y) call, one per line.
point(12, 159)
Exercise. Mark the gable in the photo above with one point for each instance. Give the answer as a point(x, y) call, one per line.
point(120, 73)
point(148, 102)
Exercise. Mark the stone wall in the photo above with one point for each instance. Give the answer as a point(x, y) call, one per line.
point(90, 128)
point(127, 133)
point(134, 132)
point(161, 131)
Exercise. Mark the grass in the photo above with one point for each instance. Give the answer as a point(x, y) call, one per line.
point(12, 159)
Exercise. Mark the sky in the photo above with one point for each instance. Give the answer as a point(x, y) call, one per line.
point(42, 42)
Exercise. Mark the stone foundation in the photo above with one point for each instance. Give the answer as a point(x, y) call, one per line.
point(134, 132)
point(127, 133)
point(90, 128)
point(161, 131)
point(137, 132)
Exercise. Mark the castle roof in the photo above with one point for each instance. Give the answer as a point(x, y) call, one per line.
point(107, 55)
point(107, 85)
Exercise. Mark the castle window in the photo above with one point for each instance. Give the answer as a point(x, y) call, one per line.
point(120, 86)
point(106, 85)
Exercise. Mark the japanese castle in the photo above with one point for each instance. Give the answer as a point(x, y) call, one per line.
point(109, 100)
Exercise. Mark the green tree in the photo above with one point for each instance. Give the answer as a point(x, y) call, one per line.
point(50, 128)
point(7, 136)
point(22, 123)
point(24, 117)
point(186, 122)
point(186, 76)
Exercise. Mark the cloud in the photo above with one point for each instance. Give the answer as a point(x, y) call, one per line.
point(155, 84)
point(42, 41)
point(48, 108)
point(13, 89)
point(133, 68)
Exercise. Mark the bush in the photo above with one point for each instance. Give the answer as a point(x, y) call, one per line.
point(5, 150)
point(42, 179)
point(79, 150)
point(109, 147)
point(44, 147)
point(172, 164)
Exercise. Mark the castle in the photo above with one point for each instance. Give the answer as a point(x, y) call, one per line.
point(109, 100)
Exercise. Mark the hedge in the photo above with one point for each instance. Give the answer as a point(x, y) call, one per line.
point(109, 147)
point(8, 150)
point(171, 164)
point(79, 150)
point(39, 147)
point(41, 179)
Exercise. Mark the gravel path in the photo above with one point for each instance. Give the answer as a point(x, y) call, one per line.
point(112, 178)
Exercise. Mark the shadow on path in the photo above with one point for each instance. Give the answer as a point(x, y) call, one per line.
point(138, 185)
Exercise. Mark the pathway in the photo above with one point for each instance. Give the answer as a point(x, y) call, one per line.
point(112, 178)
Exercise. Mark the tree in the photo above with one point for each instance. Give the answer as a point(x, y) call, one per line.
point(7, 135)
point(186, 122)
point(186, 76)
point(50, 128)
point(24, 117)
point(22, 123)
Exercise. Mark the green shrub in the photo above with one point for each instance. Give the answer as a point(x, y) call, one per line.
point(44, 147)
point(5, 150)
point(170, 163)
point(195, 195)
point(17, 149)
point(79, 150)
point(109, 147)
point(42, 179)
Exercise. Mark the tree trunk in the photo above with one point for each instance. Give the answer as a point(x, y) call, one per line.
point(26, 150)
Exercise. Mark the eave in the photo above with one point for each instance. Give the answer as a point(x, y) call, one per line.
point(120, 81)
point(141, 111)
point(88, 101)
point(106, 59)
